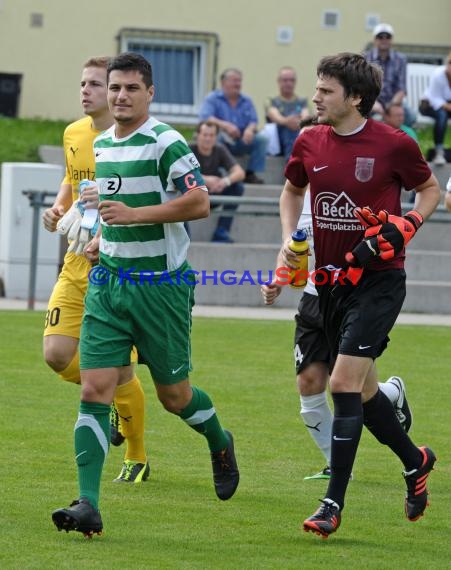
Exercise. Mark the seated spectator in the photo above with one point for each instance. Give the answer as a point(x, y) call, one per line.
point(286, 110)
point(221, 172)
point(236, 118)
point(394, 116)
point(436, 103)
point(394, 66)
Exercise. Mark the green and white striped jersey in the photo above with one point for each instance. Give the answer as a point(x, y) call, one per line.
point(151, 166)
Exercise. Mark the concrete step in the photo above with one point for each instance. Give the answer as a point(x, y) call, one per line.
point(265, 190)
point(421, 265)
point(432, 236)
point(239, 257)
point(275, 166)
point(428, 297)
point(248, 227)
point(274, 191)
point(442, 173)
point(424, 265)
point(231, 275)
point(422, 296)
point(274, 171)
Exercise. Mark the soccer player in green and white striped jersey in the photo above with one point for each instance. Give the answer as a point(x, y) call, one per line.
point(142, 292)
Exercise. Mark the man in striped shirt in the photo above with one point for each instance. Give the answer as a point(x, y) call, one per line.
point(142, 292)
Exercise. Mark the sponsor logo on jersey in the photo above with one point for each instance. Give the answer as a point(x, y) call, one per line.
point(193, 160)
point(111, 185)
point(335, 212)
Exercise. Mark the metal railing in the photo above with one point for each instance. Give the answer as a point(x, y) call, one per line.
point(37, 200)
point(264, 207)
point(440, 215)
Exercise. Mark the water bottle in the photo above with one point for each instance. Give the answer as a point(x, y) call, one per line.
point(299, 245)
point(90, 215)
point(85, 183)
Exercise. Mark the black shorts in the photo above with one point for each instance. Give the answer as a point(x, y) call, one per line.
point(310, 342)
point(358, 323)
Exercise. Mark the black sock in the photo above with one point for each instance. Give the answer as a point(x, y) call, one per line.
point(380, 419)
point(346, 431)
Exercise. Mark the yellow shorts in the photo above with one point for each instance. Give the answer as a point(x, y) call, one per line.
point(66, 303)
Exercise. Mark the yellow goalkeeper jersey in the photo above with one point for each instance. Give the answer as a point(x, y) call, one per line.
point(78, 141)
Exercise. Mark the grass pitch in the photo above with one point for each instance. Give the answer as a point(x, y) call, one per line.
point(174, 520)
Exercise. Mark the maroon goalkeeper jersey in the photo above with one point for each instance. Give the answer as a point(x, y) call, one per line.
point(367, 168)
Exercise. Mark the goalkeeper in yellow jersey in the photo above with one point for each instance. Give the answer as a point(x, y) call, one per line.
point(66, 304)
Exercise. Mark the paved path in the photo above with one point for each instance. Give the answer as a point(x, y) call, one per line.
point(270, 313)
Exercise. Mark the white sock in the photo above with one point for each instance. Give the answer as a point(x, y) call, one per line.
point(390, 390)
point(317, 417)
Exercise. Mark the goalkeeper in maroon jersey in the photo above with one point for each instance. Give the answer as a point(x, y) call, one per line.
point(356, 168)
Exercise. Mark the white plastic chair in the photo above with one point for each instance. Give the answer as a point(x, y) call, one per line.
point(418, 78)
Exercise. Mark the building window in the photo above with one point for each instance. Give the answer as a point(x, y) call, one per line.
point(330, 19)
point(183, 65)
point(36, 20)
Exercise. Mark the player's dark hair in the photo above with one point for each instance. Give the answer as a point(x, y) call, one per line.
point(207, 123)
point(358, 77)
point(130, 61)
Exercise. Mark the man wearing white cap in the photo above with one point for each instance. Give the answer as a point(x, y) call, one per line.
point(394, 66)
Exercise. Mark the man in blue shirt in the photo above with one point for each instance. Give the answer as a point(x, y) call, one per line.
point(236, 118)
point(394, 66)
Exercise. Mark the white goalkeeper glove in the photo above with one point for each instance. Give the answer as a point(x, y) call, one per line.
point(83, 231)
point(80, 225)
point(70, 224)
point(72, 216)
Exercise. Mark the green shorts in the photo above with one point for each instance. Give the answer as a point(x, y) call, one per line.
point(156, 318)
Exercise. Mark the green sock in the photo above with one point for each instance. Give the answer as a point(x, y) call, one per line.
point(200, 415)
point(92, 440)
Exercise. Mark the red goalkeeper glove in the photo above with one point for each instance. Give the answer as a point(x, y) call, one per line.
point(368, 248)
point(397, 231)
point(366, 216)
point(386, 234)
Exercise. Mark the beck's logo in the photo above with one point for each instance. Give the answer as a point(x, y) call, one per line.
point(335, 212)
point(330, 206)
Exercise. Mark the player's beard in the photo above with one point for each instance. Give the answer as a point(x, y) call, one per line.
point(321, 121)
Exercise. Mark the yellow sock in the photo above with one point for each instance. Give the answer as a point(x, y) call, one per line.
point(72, 371)
point(129, 400)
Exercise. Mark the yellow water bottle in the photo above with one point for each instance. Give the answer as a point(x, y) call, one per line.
point(299, 245)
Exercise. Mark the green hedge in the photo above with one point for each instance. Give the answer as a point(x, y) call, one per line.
point(21, 138)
